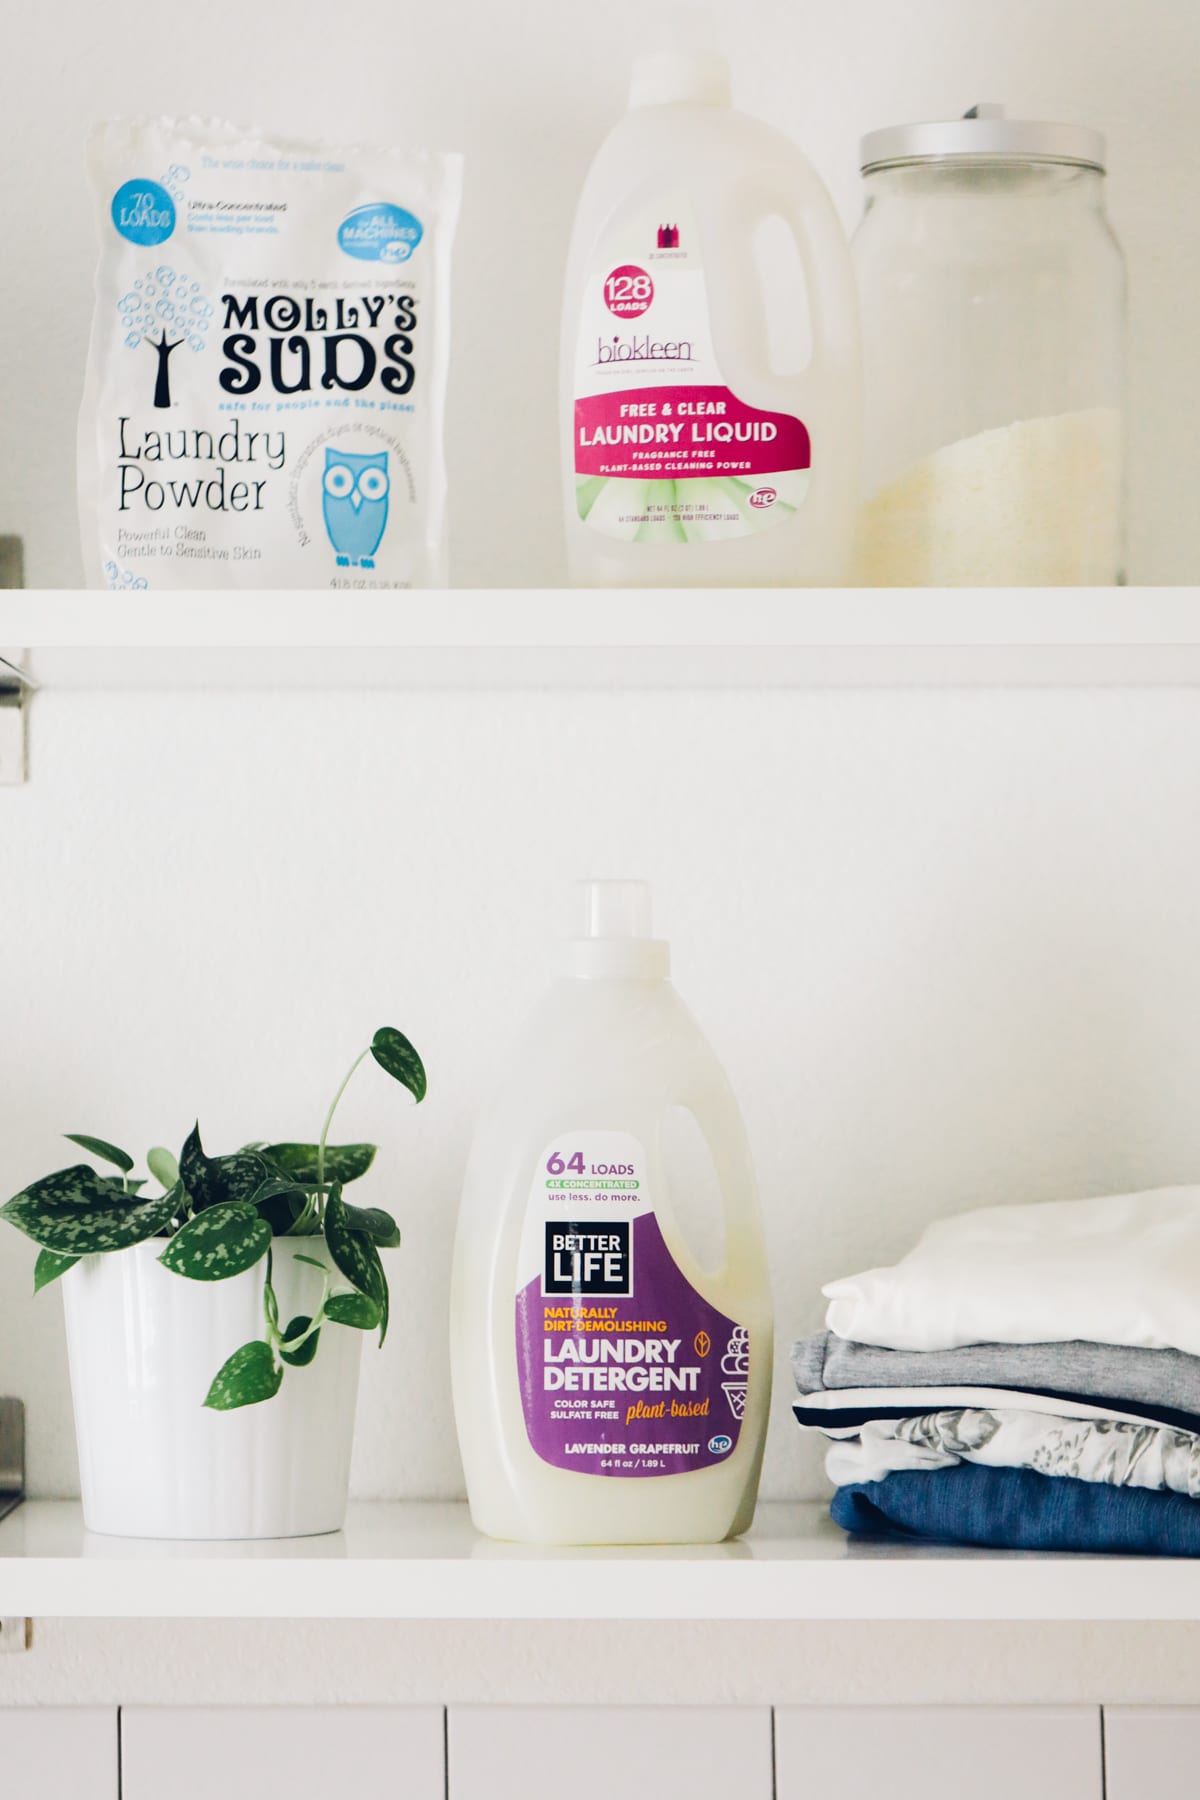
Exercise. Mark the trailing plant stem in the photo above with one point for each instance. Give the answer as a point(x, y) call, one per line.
point(329, 1121)
point(314, 1325)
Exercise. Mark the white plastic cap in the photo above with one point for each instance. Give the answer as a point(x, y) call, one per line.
point(681, 77)
point(615, 909)
point(613, 935)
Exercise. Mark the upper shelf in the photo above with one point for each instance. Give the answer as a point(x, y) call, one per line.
point(423, 1561)
point(540, 637)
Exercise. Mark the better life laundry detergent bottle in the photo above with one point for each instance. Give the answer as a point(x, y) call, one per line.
point(711, 405)
point(611, 1382)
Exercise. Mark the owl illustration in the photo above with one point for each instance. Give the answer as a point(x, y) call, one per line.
point(355, 503)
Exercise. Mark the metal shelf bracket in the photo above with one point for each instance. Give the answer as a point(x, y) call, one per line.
point(15, 1634)
point(15, 689)
point(12, 1455)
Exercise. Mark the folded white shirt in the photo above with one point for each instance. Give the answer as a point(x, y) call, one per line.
point(1105, 1450)
point(1122, 1270)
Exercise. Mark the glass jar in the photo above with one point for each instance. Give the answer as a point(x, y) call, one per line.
point(993, 299)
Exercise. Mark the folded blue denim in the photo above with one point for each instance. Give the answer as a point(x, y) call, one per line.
point(1018, 1509)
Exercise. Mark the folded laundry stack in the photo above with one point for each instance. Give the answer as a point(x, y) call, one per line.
point(1026, 1377)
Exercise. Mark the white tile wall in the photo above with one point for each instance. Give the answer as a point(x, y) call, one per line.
point(1151, 1752)
point(670, 1753)
point(59, 1753)
point(594, 1752)
point(940, 1753)
point(246, 1752)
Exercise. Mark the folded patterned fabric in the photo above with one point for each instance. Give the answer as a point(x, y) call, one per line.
point(1104, 1450)
point(1018, 1509)
point(1122, 1270)
point(1108, 1371)
point(842, 1412)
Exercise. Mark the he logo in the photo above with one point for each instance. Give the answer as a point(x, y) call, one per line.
point(703, 1343)
point(668, 237)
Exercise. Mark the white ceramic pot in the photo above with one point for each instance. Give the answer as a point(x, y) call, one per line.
point(154, 1461)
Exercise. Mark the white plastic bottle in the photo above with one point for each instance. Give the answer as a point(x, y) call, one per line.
point(608, 1386)
point(689, 458)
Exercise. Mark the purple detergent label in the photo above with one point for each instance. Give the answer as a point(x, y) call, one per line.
point(625, 1368)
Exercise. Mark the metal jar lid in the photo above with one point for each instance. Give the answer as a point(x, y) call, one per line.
point(984, 131)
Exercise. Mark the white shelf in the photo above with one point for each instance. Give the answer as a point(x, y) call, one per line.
point(423, 1561)
point(577, 638)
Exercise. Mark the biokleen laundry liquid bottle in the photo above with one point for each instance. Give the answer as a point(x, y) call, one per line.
point(694, 453)
point(611, 1384)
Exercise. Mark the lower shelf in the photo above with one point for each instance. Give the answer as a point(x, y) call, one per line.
point(424, 1561)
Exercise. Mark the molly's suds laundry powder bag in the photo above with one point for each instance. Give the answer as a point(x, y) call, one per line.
point(267, 373)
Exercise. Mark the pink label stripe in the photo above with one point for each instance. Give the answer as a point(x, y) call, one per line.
point(682, 433)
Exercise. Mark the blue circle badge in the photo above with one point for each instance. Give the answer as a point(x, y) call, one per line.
point(380, 233)
point(143, 212)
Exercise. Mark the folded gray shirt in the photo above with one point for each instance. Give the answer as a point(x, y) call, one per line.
point(1165, 1378)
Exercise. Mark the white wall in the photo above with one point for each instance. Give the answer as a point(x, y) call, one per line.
point(946, 944)
point(527, 91)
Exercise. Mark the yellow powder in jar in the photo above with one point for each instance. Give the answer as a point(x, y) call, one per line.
point(1034, 504)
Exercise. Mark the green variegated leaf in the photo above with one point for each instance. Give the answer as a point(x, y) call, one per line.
point(355, 1254)
point(304, 1352)
point(393, 1052)
point(274, 1186)
point(163, 1165)
point(64, 1215)
point(98, 1147)
point(343, 1162)
point(377, 1224)
point(249, 1376)
point(49, 1266)
point(221, 1242)
point(216, 1180)
point(79, 1185)
point(280, 1202)
point(240, 1176)
point(352, 1309)
point(118, 1189)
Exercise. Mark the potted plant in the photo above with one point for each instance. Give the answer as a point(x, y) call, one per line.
point(214, 1330)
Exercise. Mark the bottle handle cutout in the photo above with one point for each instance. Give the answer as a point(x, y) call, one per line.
point(810, 218)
